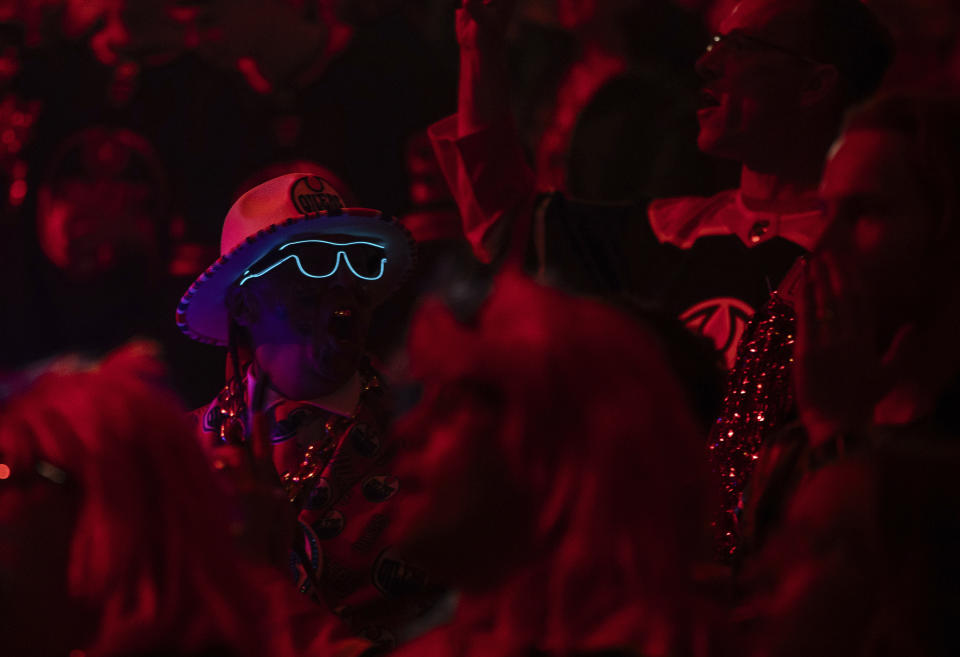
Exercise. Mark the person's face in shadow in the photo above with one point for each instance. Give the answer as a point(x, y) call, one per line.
point(880, 227)
point(142, 31)
point(89, 229)
point(754, 75)
point(307, 334)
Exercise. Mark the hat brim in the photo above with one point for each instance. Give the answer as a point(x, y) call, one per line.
point(202, 312)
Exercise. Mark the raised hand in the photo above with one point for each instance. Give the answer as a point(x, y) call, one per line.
point(483, 89)
point(483, 23)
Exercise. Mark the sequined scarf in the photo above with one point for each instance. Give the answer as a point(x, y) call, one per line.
point(758, 401)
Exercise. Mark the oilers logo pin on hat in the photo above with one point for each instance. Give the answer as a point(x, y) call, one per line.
point(314, 194)
point(286, 216)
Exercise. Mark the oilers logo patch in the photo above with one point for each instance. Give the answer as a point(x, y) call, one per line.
point(380, 489)
point(312, 194)
point(286, 428)
point(329, 526)
point(364, 440)
point(319, 496)
point(308, 564)
point(723, 320)
point(395, 577)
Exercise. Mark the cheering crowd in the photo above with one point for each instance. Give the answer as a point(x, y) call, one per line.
point(648, 350)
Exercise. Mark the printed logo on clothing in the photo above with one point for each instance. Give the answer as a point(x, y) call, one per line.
point(319, 496)
point(308, 565)
point(394, 577)
point(329, 526)
point(364, 440)
point(212, 418)
point(314, 194)
point(374, 529)
point(723, 320)
point(286, 426)
point(380, 489)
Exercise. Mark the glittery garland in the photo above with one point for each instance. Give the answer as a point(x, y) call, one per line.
point(758, 398)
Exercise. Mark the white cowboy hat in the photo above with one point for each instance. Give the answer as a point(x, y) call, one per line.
point(272, 214)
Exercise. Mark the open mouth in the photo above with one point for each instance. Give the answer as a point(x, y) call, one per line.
point(343, 323)
point(708, 99)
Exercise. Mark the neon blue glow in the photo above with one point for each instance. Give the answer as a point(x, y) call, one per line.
point(341, 255)
point(379, 246)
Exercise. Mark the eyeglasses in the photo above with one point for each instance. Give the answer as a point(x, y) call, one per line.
point(737, 41)
point(316, 258)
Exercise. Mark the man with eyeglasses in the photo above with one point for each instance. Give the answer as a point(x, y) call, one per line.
point(303, 413)
point(777, 80)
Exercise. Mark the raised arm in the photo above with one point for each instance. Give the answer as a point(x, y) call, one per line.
point(478, 149)
point(483, 91)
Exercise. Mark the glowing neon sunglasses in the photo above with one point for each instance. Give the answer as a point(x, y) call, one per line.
point(365, 260)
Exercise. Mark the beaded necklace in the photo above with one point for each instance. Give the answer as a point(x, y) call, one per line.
point(232, 407)
point(318, 454)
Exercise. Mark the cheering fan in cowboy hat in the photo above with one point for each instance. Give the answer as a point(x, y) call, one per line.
point(291, 297)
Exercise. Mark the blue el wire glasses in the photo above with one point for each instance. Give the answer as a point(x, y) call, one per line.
point(317, 258)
